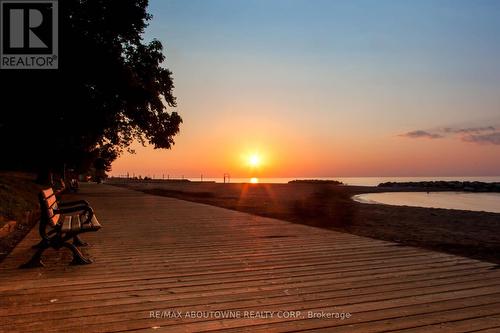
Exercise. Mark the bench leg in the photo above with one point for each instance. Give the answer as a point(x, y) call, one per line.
point(37, 246)
point(78, 242)
point(36, 260)
point(78, 258)
point(42, 242)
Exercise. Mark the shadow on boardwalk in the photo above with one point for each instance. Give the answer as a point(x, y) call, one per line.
point(204, 263)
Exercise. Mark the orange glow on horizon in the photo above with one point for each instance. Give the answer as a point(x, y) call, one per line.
point(284, 155)
point(254, 180)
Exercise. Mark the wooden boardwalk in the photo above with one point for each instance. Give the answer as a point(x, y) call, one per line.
point(204, 268)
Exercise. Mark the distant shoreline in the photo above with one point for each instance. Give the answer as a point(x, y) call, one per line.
point(351, 181)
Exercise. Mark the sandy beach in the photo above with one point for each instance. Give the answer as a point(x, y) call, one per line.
point(466, 233)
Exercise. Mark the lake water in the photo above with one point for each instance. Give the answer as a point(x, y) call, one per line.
point(488, 202)
point(358, 181)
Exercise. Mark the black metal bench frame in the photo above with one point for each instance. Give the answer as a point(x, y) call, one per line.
point(51, 231)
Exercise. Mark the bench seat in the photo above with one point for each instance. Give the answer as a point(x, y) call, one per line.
point(73, 224)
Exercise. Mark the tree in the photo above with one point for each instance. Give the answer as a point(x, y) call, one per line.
point(110, 89)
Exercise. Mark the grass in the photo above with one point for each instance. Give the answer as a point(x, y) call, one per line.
point(18, 202)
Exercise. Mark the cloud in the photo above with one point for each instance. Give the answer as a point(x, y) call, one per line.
point(479, 135)
point(490, 138)
point(468, 130)
point(484, 135)
point(421, 134)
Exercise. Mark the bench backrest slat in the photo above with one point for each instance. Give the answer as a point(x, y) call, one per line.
point(51, 201)
point(48, 203)
point(48, 192)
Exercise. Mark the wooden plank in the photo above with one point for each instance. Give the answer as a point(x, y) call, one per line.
point(51, 201)
point(244, 275)
point(243, 299)
point(48, 192)
point(75, 223)
point(158, 253)
point(479, 324)
point(365, 317)
point(67, 222)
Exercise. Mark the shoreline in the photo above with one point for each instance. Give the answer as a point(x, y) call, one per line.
point(488, 202)
point(466, 233)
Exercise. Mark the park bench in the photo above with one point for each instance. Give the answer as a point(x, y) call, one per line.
point(60, 223)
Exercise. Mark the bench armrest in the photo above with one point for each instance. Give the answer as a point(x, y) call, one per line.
point(74, 203)
point(83, 210)
point(73, 209)
point(89, 212)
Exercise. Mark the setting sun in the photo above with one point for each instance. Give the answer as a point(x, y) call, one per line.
point(254, 160)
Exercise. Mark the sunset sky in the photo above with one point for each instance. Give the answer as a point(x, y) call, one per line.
point(329, 88)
